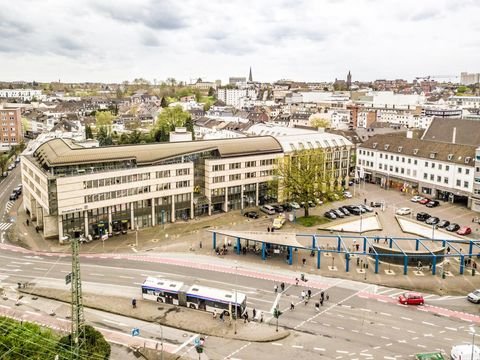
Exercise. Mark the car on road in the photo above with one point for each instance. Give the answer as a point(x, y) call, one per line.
point(474, 296)
point(347, 194)
point(278, 208)
point(287, 207)
point(416, 198)
point(375, 204)
point(422, 216)
point(278, 222)
point(424, 201)
point(267, 209)
point(403, 211)
point(330, 215)
point(443, 224)
point(432, 220)
point(464, 230)
point(452, 227)
point(294, 205)
point(251, 214)
point(18, 190)
point(432, 203)
point(13, 196)
point(411, 298)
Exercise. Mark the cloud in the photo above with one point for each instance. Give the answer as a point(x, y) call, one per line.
point(149, 39)
point(158, 15)
point(426, 14)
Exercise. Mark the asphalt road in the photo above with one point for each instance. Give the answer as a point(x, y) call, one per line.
point(358, 321)
point(6, 186)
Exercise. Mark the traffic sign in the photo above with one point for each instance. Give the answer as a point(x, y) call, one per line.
point(68, 278)
point(135, 332)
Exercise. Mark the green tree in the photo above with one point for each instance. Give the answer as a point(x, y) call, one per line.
point(320, 123)
point(168, 120)
point(211, 91)
point(104, 118)
point(302, 175)
point(164, 102)
point(94, 346)
point(103, 136)
point(3, 162)
point(135, 137)
point(88, 132)
point(461, 89)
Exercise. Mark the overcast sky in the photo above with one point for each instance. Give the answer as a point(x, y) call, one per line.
point(310, 40)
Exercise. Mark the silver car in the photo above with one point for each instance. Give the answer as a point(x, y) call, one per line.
point(474, 296)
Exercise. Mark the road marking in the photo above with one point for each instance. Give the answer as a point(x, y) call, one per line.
point(126, 277)
point(428, 323)
point(185, 343)
point(364, 354)
point(60, 319)
point(450, 328)
point(318, 349)
point(114, 322)
point(342, 352)
point(385, 337)
point(340, 328)
point(422, 346)
point(94, 274)
point(41, 269)
point(385, 314)
point(395, 328)
point(297, 346)
point(237, 351)
point(277, 344)
point(5, 306)
point(369, 334)
point(33, 313)
point(405, 318)
point(411, 331)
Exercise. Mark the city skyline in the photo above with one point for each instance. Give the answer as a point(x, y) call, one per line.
point(299, 40)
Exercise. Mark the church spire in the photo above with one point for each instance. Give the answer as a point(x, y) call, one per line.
point(250, 77)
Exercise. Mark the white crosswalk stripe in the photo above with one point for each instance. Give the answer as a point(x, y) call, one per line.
point(4, 226)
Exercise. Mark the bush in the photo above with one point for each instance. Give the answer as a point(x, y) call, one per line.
point(95, 345)
point(313, 220)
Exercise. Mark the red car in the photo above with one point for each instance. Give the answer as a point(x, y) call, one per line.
point(424, 201)
point(411, 298)
point(464, 230)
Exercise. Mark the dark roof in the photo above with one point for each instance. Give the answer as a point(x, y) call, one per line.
point(58, 152)
point(441, 130)
point(399, 145)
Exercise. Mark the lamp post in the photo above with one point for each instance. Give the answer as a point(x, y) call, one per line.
point(361, 222)
point(161, 341)
point(236, 312)
point(472, 329)
point(136, 236)
point(433, 232)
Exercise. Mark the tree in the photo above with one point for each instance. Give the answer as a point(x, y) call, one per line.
point(104, 119)
point(320, 123)
point(164, 102)
point(168, 120)
point(3, 162)
point(461, 89)
point(93, 347)
point(302, 175)
point(103, 136)
point(88, 132)
point(211, 91)
point(135, 137)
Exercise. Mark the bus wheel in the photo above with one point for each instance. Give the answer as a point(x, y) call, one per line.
point(160, 300)
point(226, 313)
point(192, 306)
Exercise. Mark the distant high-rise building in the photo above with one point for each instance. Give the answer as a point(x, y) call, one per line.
point(236, 79)
point(11, 121)
point(469, 78)
point(250, 77)
point(349, 80)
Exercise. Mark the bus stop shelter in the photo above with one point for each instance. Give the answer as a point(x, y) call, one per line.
point(287, 240)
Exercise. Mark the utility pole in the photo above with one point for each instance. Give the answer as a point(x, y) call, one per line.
point(78, 320)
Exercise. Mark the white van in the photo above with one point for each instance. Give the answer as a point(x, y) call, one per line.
point(464, 352)
point(267, 209)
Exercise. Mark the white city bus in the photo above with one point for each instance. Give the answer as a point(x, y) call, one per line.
point(195, 297)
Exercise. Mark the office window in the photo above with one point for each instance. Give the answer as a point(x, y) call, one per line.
point(447, 167)
point(181, 172)
point(381, 156)
point(433, 165)
point(425, 176)
point(445, 180)
point(465, 184)
point(467, 171)
point(250, 164)
point(219, 167)
point(409, 160)
point(250, 175)
point(426, 164)
point(235, 177)
point(233, 166)
point(414, 162)
point(403, 159)
point(432, 177)
point(218, 179)
point(440, 166)
point(459, 170)
point(459, 183)
point(439, 178)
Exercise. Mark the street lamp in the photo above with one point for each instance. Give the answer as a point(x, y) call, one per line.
point(236, 312)
point(361, 222)
point(433, 232)
point(472, 329)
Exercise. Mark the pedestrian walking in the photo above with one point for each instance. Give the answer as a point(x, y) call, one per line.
point(134, 303)
point(309, 293)
point(282, 286)
point(275, 288)
point(302, 294)
point(306, 301)
point(221, 317)
point(296, 281)
point(304, 261)
point(37, 229)
point(254, 313)
point(322, 295)
point(28, 222)
point(292, 306)
point(214, 314)
point(327, 297)
point(268, 228)
point(261, 316)
point(321, 301)
point(200, 245)
point(317, 306)
point(365, 201)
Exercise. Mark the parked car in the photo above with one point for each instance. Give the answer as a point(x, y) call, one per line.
point(422, 216)
point(452, 227)
point(18, 190)
point(365, 207)
point(330, 215)
point(443, 224)
point(338, 213)
point(287, 207)
point(310, 204)
point(13, 196)
point(432, 220)
point(344, 210)
point(424, 201)
point(403, 211)
point(251, 214)
point(278, 208)
point(433, 203)
point(465, 352)
point(278, 222)
point(294, 205)
point(464, 230)
point(474, 296)
point(416, 198)
point(267, 209)
point(375, 204)
point(347, 194)
point(355, 210)
point(411, 298)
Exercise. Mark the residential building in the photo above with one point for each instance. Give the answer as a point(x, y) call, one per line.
point(22, 94)
point(11, 128)
point(469, 78)
point(476, 182)
point(232, 96)
point(234, 80)
point(436, 169)
point(465, 102)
